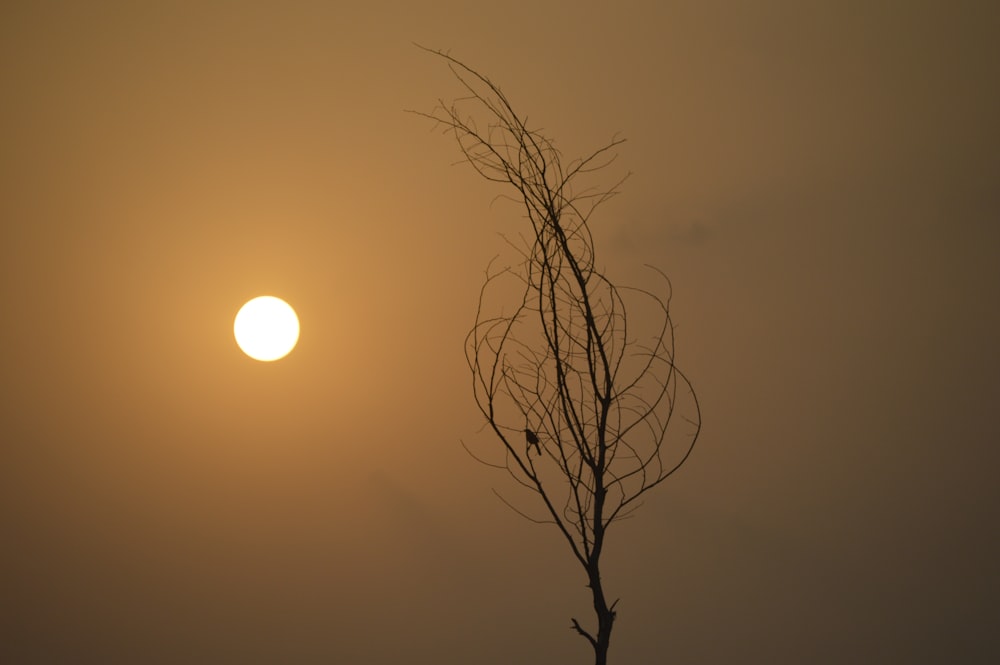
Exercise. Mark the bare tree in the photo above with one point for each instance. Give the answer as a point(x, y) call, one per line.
point(579, 392)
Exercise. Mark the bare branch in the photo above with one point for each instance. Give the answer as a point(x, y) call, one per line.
point(553, 351)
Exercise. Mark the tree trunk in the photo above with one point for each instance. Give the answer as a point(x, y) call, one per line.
point(605, 619)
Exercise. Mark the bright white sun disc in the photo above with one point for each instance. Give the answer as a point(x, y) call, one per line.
point(266, 328)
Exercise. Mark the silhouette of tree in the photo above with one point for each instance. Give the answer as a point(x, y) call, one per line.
point(555, 355)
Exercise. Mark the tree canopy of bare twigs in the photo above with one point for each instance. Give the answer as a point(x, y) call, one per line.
point(580, 390)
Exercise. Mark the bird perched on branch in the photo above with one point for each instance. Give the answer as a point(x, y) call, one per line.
point(532, 440)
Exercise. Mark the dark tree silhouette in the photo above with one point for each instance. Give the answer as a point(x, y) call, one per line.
point(579, 390)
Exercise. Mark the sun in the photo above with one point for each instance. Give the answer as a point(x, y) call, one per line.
point(266, 328)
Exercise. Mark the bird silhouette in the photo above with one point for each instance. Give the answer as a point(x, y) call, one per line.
point(532, 440)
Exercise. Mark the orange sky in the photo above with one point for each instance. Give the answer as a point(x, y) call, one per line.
point(821, 185)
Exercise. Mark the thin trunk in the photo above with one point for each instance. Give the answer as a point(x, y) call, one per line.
point(605, 618)
point(605, 614)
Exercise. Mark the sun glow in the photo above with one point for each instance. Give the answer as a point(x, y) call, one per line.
point(266, 328)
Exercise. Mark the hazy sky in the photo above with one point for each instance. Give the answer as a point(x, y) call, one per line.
point(821, 181)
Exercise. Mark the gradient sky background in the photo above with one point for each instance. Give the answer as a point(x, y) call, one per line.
point(821, 181)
